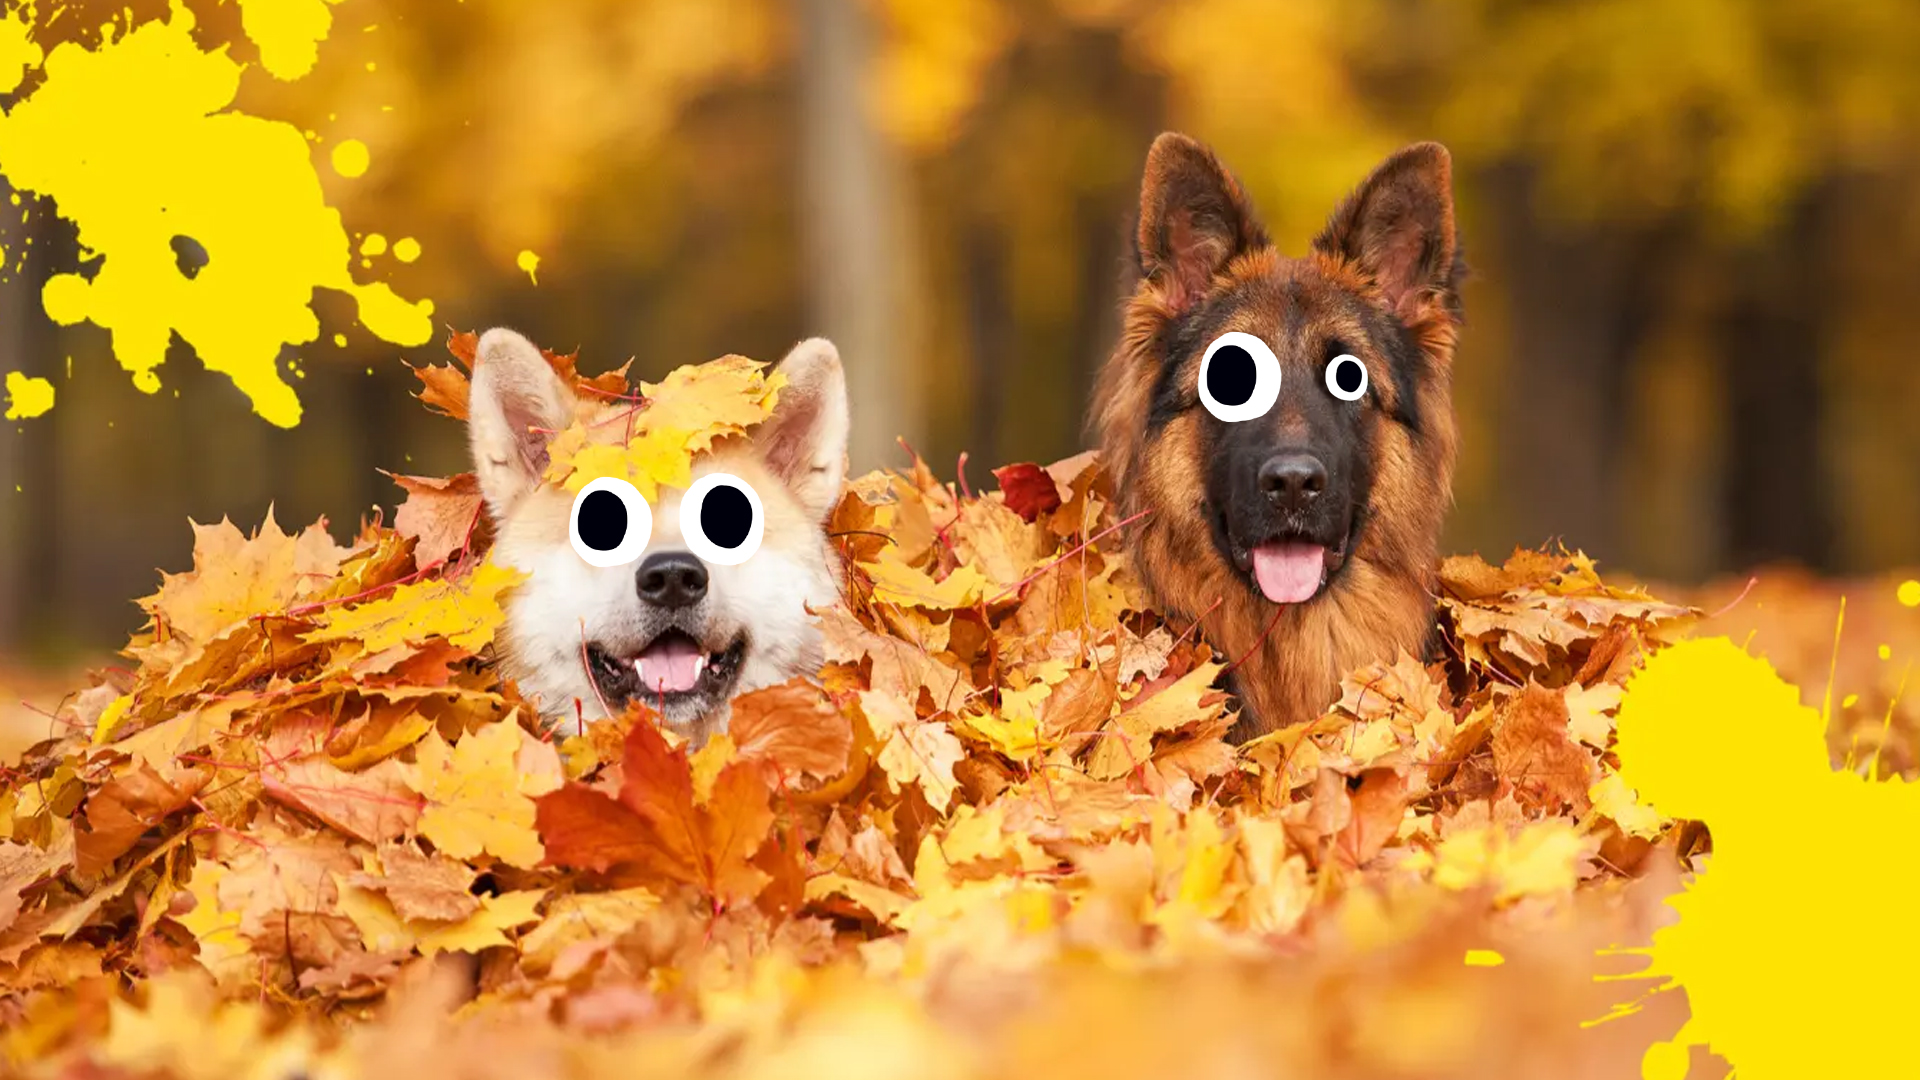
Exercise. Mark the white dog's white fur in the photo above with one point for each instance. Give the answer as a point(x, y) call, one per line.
point(795, 461)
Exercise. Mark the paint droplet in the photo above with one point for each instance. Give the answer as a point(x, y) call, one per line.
point(1847, 702)
point(27, 397)
point(370, 65)
point(1910, 593)
point(1484, 958)
point(1886, 651)
point(340, 341)
point(350, 158)
point(288, 34)
point(374, 244)
point(529, 262)
point(406, 249)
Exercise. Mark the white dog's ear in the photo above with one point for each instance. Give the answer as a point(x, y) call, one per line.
point(516, 403)
point(804, 442)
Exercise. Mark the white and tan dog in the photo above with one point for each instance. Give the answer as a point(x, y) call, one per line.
point(708, 603)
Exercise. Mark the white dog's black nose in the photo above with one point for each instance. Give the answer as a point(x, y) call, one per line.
point(671, 579)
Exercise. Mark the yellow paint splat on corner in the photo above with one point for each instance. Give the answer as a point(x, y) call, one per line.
point(1710, 733)
point(136, 143)
point(27, 397)
point(374, 244)
point(18, 53)
point(406, 249)
point(350, 158)
point(1484, 958)
point(528, 262)
point(288, 33)
point(1909, 593)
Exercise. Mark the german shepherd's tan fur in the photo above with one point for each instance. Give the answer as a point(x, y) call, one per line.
point(1381, 281)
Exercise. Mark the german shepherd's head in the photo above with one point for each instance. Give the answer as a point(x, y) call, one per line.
point(1288, 422)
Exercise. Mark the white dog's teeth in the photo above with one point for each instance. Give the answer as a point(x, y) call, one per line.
point(640, 669)
point(699, 666)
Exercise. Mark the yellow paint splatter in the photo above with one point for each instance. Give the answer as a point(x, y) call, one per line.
point(288, 33)
point(18, 53)
point(1886, 652)
point(1710, 733)
point(350, 158)
point(1847, 702)
point(339, 341)
point(1909, 593)
point(1484, 958)
point(135, 143)
point(27, 397)
point(528, 262)
point(374, 244)
point(406, 249)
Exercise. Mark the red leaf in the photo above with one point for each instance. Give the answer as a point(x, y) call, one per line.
point(587, 830)
point(1029, 489)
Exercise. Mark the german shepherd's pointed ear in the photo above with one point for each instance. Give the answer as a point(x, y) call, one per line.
point(1194, 218)
point(516, 402)
point(1397, 227)
point(804, 442)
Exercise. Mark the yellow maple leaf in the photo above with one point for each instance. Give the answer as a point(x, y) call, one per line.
point(1541, 859)
point(466, 612)
point(1613, 799)
point(895, 582)
point(235, 576)
point(683, 416)
point(222, 949)
point(480, 792)
point(720, 397)
point(383, 930)
point(656, 458)
point(912, 750)
point(578, 917)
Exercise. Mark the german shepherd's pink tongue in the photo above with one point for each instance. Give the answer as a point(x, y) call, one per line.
point(1289, 572)
point(670, 665)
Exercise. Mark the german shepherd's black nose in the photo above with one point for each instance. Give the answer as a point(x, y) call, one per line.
point(671, 579)
point(1292, 481)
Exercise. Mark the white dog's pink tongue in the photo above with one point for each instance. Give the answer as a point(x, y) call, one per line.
point(670, 666)
point(1289, 572)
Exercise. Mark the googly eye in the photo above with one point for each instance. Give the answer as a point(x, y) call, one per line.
point(722, 519)
point(1346, 377)
point(1239, 377)
point(611, 523)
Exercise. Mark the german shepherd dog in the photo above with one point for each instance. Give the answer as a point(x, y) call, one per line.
point(1287, 423)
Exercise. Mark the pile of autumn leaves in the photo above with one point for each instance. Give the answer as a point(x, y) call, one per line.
point(1001, 820)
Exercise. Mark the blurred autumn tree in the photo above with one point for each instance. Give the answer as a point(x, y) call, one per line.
point(1694, 226)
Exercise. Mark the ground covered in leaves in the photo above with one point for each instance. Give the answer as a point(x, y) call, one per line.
point(310, 833)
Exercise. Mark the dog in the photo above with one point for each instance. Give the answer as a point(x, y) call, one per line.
point(669, 618)
point(1286, 424)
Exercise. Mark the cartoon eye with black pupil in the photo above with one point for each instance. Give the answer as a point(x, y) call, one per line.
point(611, 523)
point(1239, 377)
point(722, 520)
point(1346, 377)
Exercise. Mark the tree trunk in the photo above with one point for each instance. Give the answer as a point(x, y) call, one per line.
point(1581, 303)
point(1769, 338)
point(856, 259)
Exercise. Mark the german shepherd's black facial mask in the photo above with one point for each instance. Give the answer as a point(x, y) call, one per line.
point(1289, 366)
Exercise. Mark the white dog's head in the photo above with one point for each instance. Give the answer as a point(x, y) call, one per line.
point(673, 615)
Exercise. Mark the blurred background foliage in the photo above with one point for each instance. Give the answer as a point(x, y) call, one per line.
point(1694, 224)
